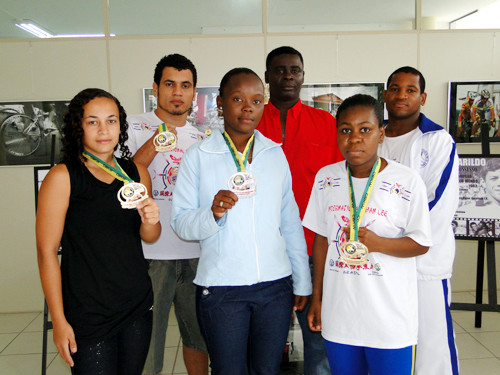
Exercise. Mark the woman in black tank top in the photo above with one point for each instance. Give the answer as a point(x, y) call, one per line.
point(100, 297)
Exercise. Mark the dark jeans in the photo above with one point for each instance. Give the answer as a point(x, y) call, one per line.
point(246, 327)
point(122, 354)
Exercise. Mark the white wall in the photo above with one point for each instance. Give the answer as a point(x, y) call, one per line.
point(58, 69)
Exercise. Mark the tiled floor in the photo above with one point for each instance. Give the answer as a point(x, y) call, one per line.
point(21, 343)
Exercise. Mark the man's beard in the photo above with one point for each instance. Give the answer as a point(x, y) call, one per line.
point(175, 112)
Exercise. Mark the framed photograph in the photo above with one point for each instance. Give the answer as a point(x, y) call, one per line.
point(473, 106)
point(328, 96)
point(148, 100)
point(203, 114)
point(26, 130)
point(478, 214)
point(40, 173)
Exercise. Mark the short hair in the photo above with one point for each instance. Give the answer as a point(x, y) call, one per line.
point(490, 166)
point(363, 100)
point(234, 72)
point(285, 50)
point(411, 70)
point(175, 61)
point(72, 129)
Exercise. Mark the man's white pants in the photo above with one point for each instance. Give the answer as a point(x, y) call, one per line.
point(436, 349)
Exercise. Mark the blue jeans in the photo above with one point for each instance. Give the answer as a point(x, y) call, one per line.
point(246, 327)
point(315, 358)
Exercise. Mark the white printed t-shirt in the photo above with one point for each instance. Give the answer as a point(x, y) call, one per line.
point(374, 305)
point(163, 171)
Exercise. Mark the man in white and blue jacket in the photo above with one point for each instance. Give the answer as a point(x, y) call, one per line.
point(415, 141)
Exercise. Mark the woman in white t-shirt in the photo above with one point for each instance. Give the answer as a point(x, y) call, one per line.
point(365, 288)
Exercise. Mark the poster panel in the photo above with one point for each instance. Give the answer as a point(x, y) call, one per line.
point(478, 214)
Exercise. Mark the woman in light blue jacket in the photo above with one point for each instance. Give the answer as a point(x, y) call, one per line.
point(234, 194)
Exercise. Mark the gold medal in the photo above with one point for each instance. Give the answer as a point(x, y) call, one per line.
point(165, 141)
point(131, 194)
point(354, 253)
point(242, 184)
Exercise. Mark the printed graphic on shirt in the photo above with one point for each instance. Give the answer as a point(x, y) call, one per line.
point(335, 262)
point(396, 189)
point(424, 158)
point(164, 179)
point(143, 126)
point(328, 182)
point(338, 215)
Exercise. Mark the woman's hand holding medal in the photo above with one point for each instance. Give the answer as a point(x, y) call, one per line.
point(224, 200)
point(149, 211)
point(366, 237)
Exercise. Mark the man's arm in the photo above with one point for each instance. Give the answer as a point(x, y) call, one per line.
point(147, 152)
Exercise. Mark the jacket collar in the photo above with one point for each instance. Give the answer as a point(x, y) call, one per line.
point(216, 143)
point(424, 124)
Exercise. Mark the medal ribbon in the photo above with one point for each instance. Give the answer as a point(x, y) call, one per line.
point(116, 173)
point(240, 162)
point(163, 128)
point(357, 214)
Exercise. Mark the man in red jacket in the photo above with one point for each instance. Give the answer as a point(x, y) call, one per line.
point(309, 140)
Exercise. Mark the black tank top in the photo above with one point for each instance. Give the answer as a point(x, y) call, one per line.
point(105, 279)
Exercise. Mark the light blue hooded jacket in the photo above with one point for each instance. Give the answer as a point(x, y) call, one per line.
point(261, 237)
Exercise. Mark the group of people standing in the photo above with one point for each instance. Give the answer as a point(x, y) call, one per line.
point(285, 195)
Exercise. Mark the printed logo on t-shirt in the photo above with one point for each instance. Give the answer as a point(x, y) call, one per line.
point(328, 182)
point(169, 174)
point(141, 126)
point(336, 264)
point(424, 158)
point(396, 189)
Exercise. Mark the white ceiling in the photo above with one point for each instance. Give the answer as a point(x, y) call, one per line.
point(160, 17)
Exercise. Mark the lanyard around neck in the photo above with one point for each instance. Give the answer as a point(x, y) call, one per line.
point(357, 213)
point(116, 173)
point(239, 161)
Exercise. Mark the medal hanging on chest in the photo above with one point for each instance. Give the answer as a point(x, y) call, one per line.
point(354, 252)
point(131, 192)
point(242, 183)
point(164, 140)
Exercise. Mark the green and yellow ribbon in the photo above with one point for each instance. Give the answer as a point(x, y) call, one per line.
point(116, 173)
point(240, 162)
point(357, 213)
point(162, 128)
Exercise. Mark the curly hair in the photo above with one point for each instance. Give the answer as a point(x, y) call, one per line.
point(175, 61)
point(411, 70)
point(72, 130)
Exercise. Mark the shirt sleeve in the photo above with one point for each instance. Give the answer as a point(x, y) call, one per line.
point(293, 233)
point(442, 184)
point(190, 220)
point(313, 219)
